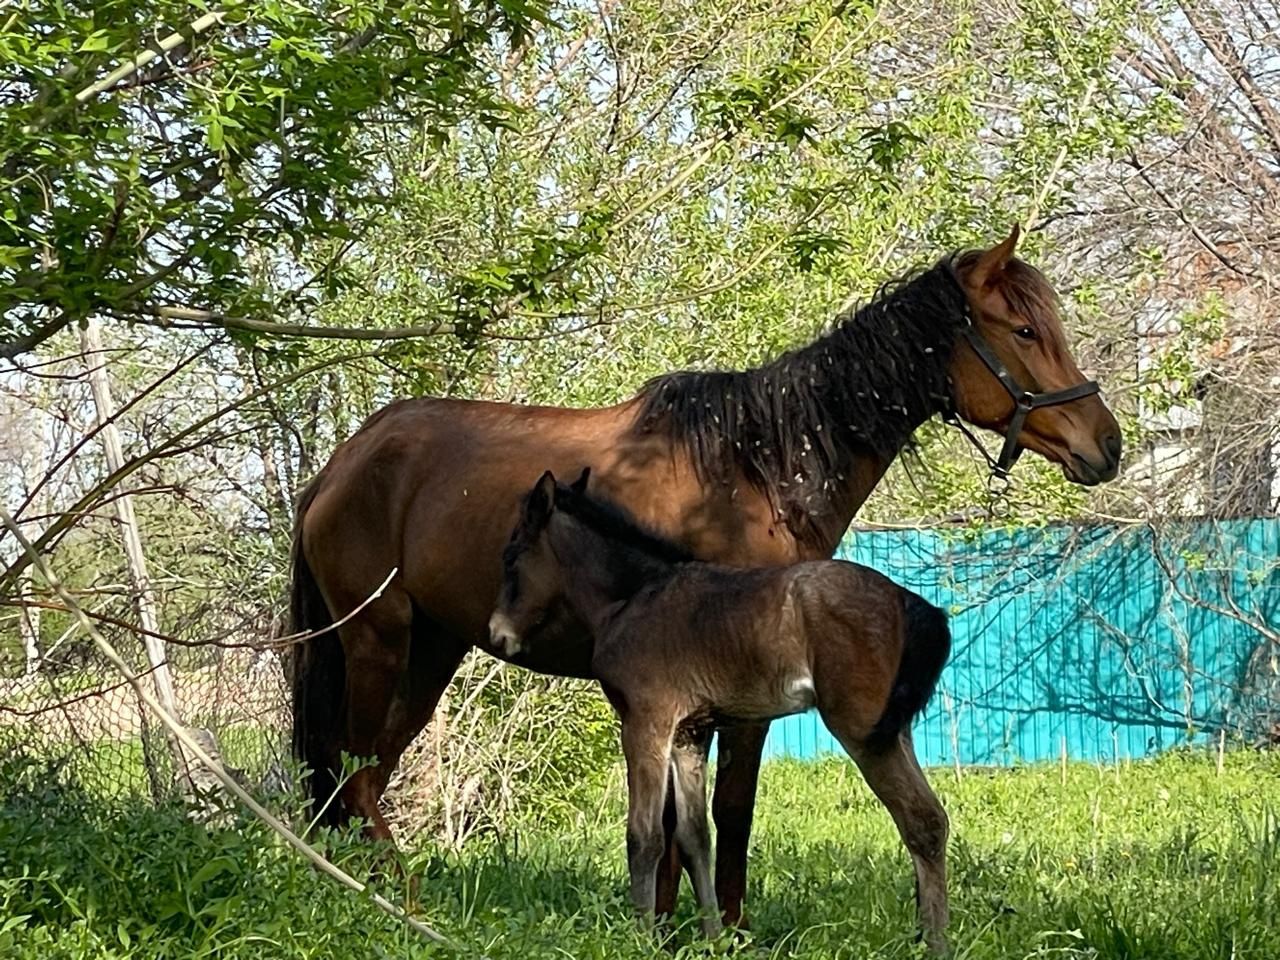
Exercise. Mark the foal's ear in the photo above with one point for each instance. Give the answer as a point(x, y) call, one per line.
point(547, 488)
point(992, 262)
point(541, 499)
point(580, 485)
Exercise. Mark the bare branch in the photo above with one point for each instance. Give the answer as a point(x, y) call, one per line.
point(165, 317)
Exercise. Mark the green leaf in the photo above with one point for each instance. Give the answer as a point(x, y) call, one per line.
point(214, 868)
point(12, 923)
point(98, 40)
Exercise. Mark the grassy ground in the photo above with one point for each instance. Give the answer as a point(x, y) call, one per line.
point(1162, 860)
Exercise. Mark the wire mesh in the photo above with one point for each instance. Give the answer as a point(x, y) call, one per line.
point(84, 718)
point(1104, 641)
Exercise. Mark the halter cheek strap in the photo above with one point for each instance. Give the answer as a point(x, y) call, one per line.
point(1024, 401)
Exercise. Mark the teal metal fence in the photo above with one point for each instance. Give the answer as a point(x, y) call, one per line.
point(1103, 641)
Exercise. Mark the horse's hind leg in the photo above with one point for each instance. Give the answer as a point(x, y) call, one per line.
point(895, 777)
point(693, 835)
point(434, 657)
point(646, 743)
point(375, 644)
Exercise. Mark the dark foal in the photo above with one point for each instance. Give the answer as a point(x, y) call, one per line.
point(683, 647)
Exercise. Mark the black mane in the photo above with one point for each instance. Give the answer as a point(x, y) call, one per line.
point(619, 527)
point(792, 425)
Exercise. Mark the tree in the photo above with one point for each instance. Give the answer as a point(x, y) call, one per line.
point(1178, 233)
point(147, 155)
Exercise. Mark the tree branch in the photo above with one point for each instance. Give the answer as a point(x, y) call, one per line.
point(1216, 40)
point(1201, 237)
point(29, 341)
point(126, 70)
point(168, 316)
point(69, 516)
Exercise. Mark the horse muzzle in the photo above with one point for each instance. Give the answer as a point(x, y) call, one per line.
point(503, 634)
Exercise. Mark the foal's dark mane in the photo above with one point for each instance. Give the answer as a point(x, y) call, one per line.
point(618, 526)
point(792, 425)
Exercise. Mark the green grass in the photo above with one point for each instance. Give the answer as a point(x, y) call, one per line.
point(116, 769)
point(107, 769)
point(1163, 860)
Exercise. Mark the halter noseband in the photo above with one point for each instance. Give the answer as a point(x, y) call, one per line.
point(1024, 401)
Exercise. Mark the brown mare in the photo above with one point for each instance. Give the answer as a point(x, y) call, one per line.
point(684, 647)
point(753, 468)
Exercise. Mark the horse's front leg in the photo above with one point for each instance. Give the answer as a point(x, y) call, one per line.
point(732, 806)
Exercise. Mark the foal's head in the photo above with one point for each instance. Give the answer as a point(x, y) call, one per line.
point(571, 549)
point(532, 575)
point(1016, 311)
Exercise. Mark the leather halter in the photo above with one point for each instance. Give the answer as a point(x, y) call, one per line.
point(1024, 401)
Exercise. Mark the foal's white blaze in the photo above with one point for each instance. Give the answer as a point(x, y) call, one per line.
point(503, 634)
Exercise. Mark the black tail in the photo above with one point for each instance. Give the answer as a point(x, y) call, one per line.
point(926, 644)
point(319, 680)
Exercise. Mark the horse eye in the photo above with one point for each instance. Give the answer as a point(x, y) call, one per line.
point(1025, 333)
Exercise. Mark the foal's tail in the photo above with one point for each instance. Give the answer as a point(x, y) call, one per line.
point(319, 679)
point(926, 644)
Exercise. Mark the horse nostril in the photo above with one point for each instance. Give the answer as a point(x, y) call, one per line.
point(1111, 443)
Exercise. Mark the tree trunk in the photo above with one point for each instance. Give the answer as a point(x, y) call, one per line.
point(34, 459)
point(144, 601)
point(29, 627)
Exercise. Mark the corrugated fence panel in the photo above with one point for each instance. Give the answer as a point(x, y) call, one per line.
point(1106, 641)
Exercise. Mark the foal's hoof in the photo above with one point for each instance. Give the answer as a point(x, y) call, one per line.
point(936, 942)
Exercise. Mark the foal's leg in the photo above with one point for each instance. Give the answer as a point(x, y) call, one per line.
point(896, 778)
point(646, 744)
point(693, 835)
point(669, 866)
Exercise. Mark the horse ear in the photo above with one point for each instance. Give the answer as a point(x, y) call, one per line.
point(547, 487)
point(993, 261)
point(541, 499)
point(580, 485)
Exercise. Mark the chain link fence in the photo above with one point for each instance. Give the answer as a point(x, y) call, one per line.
point(86, 719)
point(1100, 640)
point(498, 734)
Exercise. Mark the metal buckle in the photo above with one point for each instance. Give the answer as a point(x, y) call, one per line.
point(999, 504)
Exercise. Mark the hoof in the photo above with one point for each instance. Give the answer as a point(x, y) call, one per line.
point(936, 942)
point(735, 920)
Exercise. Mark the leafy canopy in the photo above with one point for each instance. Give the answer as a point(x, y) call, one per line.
point(152, 151)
